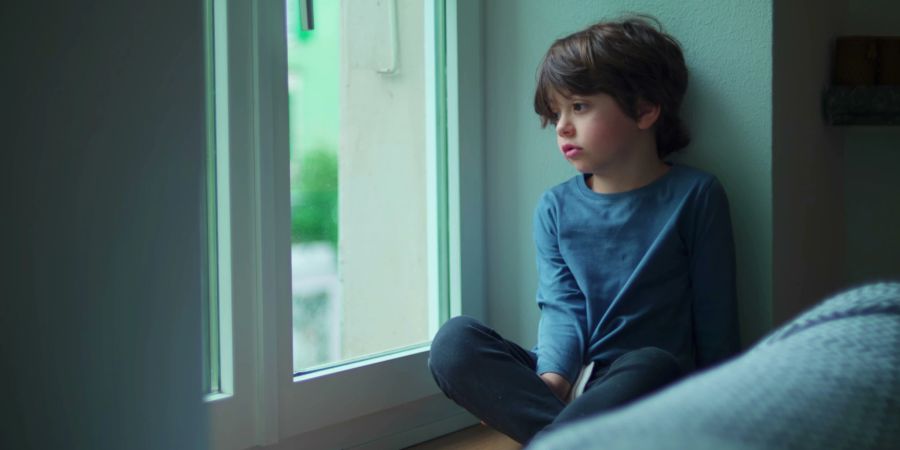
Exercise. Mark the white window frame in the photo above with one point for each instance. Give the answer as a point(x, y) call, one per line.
point(387, 401)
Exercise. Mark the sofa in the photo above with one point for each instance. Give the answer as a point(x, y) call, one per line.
point(828, 379)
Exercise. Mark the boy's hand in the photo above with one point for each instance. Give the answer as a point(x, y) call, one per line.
point(557, 384)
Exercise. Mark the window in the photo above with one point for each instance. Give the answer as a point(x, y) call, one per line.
point(358, 106)
point(336, 259)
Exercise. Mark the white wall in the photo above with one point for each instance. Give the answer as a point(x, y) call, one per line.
point(103, 129)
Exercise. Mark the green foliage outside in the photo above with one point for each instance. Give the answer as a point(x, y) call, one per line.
point(314, 211)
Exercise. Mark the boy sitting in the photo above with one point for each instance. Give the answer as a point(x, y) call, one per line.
point(635, 255)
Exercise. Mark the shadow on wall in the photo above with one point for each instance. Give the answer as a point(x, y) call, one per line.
point(872, 192)
point(715, 139)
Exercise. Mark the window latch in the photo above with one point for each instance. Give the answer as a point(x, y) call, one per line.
point(307, 19)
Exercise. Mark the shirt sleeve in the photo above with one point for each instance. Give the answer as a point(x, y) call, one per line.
point(716, 334)
point(561, 331)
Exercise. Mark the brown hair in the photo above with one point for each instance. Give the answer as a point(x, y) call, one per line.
point(630, 59)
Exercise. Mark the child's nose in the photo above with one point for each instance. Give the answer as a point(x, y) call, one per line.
point(564, 127)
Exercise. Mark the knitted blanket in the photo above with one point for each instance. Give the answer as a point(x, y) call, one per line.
point(829, 379)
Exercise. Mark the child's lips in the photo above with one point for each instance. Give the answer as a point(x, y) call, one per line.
point(570, 150)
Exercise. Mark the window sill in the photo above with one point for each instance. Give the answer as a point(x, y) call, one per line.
point(362, 362)
point(399, 427)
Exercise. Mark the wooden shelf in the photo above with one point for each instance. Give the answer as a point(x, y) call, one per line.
point(862, 105)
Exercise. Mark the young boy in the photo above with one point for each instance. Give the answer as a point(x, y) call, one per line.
point(635, 255)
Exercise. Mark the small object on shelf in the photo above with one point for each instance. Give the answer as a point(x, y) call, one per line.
point(855, 61)
point(866, 61)
point(862, 105)
point(866, 78)
point(889, 61)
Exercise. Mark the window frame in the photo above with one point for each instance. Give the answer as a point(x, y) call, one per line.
point(236, 413)
point(261, 402)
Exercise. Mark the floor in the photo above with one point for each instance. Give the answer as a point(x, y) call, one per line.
point(478, 437)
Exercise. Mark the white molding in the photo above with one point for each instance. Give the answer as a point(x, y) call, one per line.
point(421, 434)
point(272, 187)
point(233, 423)
point(431, 168)
point(223, 199)
point(318, 402)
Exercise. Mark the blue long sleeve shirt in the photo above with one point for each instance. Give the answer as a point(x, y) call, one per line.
point(649, 267)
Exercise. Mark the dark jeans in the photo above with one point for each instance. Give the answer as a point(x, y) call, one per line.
point(495, 380)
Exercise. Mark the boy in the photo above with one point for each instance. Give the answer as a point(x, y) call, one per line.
point(635, 255)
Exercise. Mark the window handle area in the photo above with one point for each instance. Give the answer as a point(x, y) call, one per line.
point(391, 69)
point(307, 17)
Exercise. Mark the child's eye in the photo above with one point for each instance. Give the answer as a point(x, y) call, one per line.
point(554, 117)
point(579, 106)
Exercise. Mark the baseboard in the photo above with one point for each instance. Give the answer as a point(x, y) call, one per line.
point(421, 434)
point(395, 428)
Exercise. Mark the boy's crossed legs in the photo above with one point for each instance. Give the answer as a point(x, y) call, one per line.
point(495, 379)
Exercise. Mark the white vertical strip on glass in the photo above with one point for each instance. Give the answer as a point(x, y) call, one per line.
point(223, 195)
point(431, 168)
point(453, 159)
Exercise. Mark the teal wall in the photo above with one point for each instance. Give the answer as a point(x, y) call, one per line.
point(728, 50)
point(105, 153)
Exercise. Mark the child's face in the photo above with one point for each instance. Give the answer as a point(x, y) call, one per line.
point(593, 133)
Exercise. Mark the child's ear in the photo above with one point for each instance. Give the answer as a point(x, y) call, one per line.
point(647, 114)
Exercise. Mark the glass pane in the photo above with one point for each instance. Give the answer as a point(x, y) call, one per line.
point(359, 212)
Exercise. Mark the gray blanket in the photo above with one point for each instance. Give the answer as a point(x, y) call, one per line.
point(829, 379)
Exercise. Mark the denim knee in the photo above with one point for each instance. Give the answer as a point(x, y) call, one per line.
point(453, 346)
point(663, 363)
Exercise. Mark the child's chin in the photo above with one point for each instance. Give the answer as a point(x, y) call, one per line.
point(583, 168)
